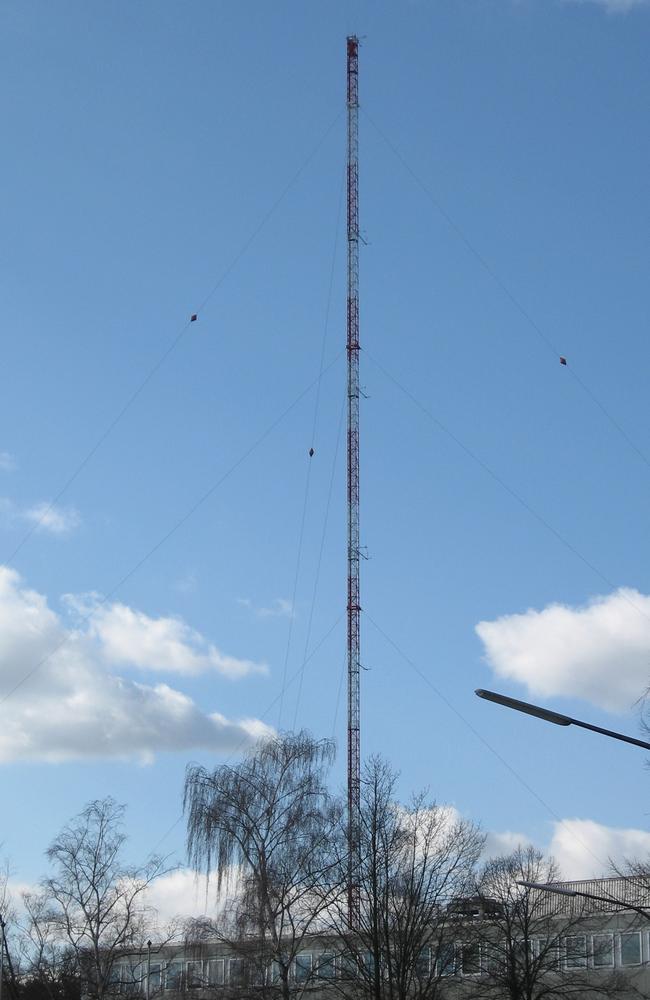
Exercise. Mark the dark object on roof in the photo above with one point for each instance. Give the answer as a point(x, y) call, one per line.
point(311, 452)
point(562, 361)
point(194, 317)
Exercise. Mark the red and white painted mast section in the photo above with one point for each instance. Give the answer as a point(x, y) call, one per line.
point(353, 605)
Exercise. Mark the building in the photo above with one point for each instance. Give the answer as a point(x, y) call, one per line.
point(563, 945)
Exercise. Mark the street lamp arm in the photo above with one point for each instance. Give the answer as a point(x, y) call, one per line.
point(555, 717)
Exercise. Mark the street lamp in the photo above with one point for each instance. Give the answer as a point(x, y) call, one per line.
point(148, 993)
point(561, 891)
point(555, 717)
point(2, 953)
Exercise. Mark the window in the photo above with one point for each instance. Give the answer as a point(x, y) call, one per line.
point(471, 959)
point(325, 965)
point(116, 976)
point(550, 954)
point(348, 966)
point(216, 972)
point(447, 959)
point(257, 972)
point(423, 963)
point(154, 978)
point(173, 976)
point(576, 951)
point(367, 963)
point(602, 951)
point(537, 948)
point(194, 975)
point(303, 967)
point(493, 957)
point(631, 948)
point(236, 971)
point(520, 955)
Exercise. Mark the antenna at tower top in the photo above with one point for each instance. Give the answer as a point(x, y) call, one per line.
point(353, 606)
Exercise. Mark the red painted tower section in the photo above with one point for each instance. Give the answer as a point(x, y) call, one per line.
point(354, 606)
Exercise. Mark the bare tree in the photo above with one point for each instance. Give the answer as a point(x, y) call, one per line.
point(49, 968)
point(534, 943)
point(8, 931)
point(268, 827)
point(415, 860)
point(92, 909)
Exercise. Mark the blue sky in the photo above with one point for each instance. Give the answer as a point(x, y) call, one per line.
point(168, 158)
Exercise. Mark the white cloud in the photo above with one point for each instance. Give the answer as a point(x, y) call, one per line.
point(183, 893)
point(279, 607)
point(42, 516)
point(62, 701)
point(48, 517)
point(498, 844)
point(599, 652)
point(584, 848)
point(128, 636)
point(7, 463)
point(614, 6)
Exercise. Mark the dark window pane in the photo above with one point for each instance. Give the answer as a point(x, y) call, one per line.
point(236, 972)
point(303, 967)
point(194, 975)
point(325, 965)
point(471, 959)
point(173, 976)
point(602, 949)
point(447, 959)
point(423, 963)
point(576, 951)
point(631, 948)
point(154, 978)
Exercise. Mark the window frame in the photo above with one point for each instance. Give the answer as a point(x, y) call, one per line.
point(323, 962)
point(178, 985)
point(155, 970)
point(448, 969)
point(584, 960)
point(242, 975)
point(630, 934)
point(189, 977)
point(461, 950)
point(218, 980)
point(612, 950)
point(296, 964)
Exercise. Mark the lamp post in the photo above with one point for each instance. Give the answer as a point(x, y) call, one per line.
point(555, 717)
point(2, 953)
point(562, 891)
point(148, 969)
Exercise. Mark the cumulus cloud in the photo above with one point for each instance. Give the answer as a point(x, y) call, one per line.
point(7, 463)
point(60, 698)
point(614, 6)
point(599, 651)
point(498, 844)
point(184, 894)
point(128, 636)
point(585, 849)
point(582, 848)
